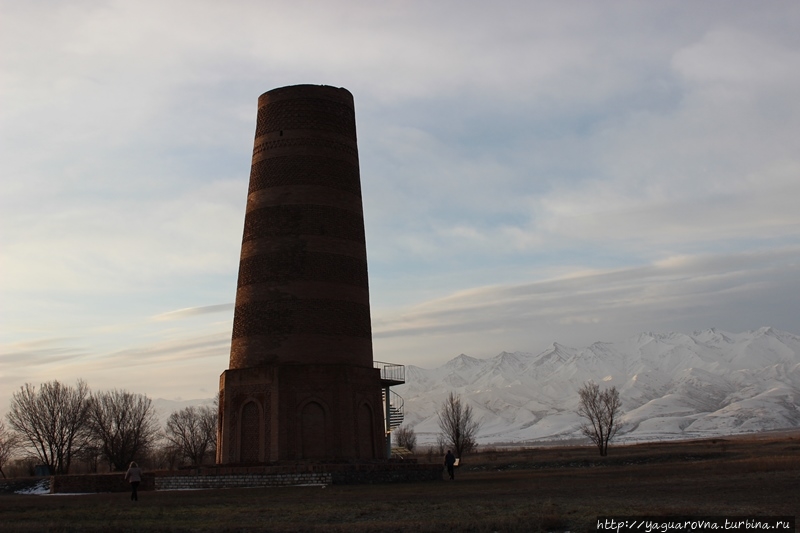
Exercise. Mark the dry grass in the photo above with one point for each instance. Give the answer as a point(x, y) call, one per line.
point(552, 489)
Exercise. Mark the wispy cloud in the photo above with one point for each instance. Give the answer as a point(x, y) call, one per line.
point(157, 367)
point(39, 352)
point(735, 291)
point(193, 311)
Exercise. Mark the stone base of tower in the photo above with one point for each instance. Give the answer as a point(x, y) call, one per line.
point(289, 412)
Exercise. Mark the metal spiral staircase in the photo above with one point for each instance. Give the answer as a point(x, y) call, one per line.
point(395, 410)
point(391, 374)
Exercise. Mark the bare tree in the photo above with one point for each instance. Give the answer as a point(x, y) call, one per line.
point(89, 458)
point(8, 445)
point(457, 424)
point(441, 444)
point(406, 438)
point(165, 456)
point(52, 421)
point(600, 409)
point(193, 431)
point(124, 425)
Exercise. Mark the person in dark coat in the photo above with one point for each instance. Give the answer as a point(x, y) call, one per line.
point(134, 476)
point(450, 462)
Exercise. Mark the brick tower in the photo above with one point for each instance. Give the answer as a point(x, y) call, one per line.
point(301, 383)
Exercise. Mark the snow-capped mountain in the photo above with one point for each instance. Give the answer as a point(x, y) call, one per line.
point(672, 385)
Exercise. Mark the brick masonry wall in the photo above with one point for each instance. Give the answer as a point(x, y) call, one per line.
point(302, 300)
point(303, 293)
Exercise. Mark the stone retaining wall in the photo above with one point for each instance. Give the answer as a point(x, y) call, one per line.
point(168, 482)
point(283, 475)
point(209, 477)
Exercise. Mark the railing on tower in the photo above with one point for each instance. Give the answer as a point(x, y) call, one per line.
point(391, 374)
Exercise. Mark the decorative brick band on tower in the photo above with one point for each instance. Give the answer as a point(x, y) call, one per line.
point(301, 384)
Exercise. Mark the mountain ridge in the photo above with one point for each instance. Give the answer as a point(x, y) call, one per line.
point(672, 385)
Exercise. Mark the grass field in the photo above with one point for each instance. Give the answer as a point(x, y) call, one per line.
point(544, 489)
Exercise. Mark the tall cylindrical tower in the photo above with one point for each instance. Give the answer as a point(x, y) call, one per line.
point(301, 383)
point(302, 294)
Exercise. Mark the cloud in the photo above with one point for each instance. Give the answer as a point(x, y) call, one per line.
point(39, 352)
point(118, 244)
point(166, 367)
point(193, 311)
point(690, 292)
point(194, 348)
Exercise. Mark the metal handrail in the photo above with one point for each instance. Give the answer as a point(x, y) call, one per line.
point(391, 371)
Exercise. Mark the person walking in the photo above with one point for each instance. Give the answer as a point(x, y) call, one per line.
point(134, 476)
point(450, 462)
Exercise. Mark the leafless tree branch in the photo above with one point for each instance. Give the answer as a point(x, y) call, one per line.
point(406, 438)
point(8, 445)
point(193, 431)
point(457, 425)
point(600, 409)
point(124, 425)
point(52, 421)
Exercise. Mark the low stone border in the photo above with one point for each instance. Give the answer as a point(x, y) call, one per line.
point(200, 481)
point(219, 477)
point(300, 474)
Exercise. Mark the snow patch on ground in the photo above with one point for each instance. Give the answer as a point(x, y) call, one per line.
point(41, 487)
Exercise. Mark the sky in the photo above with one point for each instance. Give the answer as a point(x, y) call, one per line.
point(532, 172)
